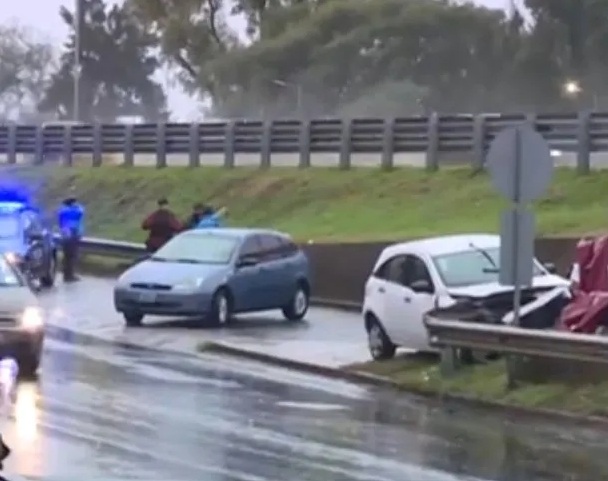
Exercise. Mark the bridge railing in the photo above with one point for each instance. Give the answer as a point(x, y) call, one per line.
point(433, 138)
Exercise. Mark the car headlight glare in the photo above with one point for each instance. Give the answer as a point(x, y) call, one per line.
point(189, 284)
point(32, 318)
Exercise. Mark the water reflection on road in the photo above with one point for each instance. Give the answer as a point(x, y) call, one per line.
point(102, 412)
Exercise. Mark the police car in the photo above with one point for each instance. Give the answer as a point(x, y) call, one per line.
point(27, 242)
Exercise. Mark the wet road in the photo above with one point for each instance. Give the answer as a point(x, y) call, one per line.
point(328, 336)
point(101, 412)
point(105, 412)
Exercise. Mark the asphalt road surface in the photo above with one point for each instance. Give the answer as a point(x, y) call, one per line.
point(102, 411)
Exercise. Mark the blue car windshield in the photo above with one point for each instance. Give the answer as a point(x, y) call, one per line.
point(198, 247)
point(9, 226)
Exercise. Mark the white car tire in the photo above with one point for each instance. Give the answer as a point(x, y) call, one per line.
point(380, 345)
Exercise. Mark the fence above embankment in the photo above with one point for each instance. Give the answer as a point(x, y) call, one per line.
point(431, 139)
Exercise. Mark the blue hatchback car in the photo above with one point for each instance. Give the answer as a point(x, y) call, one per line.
point(215, 273)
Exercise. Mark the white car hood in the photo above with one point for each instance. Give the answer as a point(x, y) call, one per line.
point(483, 290)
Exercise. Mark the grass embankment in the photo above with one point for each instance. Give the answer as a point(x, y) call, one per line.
point(324, 204)
point(487, 382)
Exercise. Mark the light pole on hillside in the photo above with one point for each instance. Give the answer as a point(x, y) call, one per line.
point(77, 57)
point(296, 87)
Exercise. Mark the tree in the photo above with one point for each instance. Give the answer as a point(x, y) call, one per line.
point(26, 65)
point(117, 66)
point(345, 56)
point(574, 38)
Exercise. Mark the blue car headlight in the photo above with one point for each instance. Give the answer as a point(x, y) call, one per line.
point(189, 284)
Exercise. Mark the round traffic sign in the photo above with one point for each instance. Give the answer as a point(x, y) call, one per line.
point(520, 164)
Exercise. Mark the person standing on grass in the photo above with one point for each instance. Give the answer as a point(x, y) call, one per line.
point(195, 217)
point(70, 219)
point(162, 225)
point(211, 218)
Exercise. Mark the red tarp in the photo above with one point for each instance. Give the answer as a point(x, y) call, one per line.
point(589, 307)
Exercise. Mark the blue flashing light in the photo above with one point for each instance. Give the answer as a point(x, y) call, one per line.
point(14, 198)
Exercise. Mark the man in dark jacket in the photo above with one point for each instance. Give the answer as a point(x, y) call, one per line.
point(70, 218)
point(162, 225)
point(197, 214)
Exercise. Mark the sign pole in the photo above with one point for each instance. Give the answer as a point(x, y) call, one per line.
point(511, 361)
point(520, 166)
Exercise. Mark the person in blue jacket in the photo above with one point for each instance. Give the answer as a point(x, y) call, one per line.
point(211, 218)
point(70, 218)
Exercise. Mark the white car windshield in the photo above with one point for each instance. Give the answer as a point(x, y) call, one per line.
point(9, 226)
point(198, 247)
point(8, 275)
point(467, 268)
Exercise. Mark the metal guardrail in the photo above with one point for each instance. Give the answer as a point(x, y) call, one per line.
point(465, 135)
point(111, 248)
point(445, 334)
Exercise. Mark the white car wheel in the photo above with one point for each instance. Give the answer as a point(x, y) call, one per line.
point(379, 344)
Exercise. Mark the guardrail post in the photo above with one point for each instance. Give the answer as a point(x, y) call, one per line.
point(129, 151)
point(432, 149)
point(478, 149)
point(449, 361)
point(345, 144)
point(583, 157)
point(161, 145)
point(388, 144)
point(266, 144)
point(39, 145)
point(229, 138)
point(304, 144)
point(97, 144)
point(68, 154)
point(194, 146)
point(11, 155)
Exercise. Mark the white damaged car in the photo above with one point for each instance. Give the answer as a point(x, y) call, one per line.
point(410, 279)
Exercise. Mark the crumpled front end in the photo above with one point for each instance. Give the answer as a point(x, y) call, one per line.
point(540, 308)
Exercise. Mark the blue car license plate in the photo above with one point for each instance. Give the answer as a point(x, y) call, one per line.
point(147, 297)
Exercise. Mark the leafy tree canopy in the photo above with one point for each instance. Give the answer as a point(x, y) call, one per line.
point(117, 67)
point(326, 57)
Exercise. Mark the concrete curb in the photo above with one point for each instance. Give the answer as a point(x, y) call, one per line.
point(378, 381)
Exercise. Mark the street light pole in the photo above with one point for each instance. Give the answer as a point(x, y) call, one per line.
point(297, 87)
point(77, 56)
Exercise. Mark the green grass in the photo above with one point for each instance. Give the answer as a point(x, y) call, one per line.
point(488, 382)
point(322, 204)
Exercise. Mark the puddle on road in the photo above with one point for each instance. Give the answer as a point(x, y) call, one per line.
point(312, 406)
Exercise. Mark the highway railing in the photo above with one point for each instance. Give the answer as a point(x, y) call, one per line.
point(514, 340)
point(457, 137)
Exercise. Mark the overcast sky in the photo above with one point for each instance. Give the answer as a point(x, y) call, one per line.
point(43, 16)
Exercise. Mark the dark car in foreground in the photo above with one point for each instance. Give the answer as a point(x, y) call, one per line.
point(21, 319)
point(213, 274)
